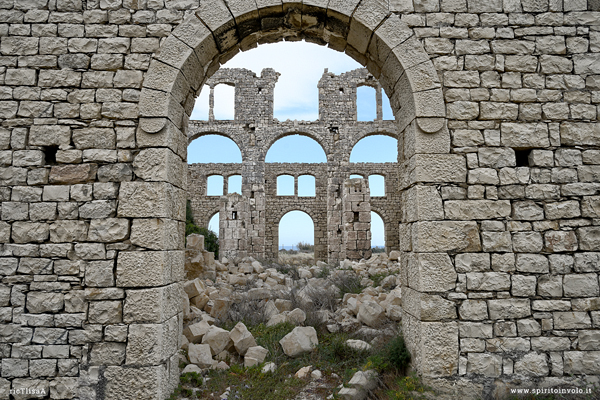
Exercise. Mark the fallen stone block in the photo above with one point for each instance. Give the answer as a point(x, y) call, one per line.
point(299, 341)
point(255, 355)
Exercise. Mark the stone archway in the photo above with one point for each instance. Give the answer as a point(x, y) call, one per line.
point(368, 32)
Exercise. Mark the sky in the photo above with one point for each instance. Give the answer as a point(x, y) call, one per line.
point(301, 65)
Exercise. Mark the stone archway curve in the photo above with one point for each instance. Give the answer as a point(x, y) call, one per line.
point(365, 29)
point(315, 137)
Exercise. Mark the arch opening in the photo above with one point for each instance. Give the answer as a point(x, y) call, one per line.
point(377, 232)
point(202, 150)
point(234, 184)
point(296, 238)
point(296, 148)
point(375, 149)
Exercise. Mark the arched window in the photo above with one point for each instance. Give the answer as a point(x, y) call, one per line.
point(214, 149)
point(285, 185)
point(234, 184)
point(296, 227)
point(306, 186)
point(376, 148)
point(366, 104)
point(356, 176)
point(296, 149)
point(214, 185)
point(224, 102)
point(377, 230)
point(377, 185)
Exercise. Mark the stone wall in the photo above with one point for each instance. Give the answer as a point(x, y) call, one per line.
point(337, 130)
point(496, 108)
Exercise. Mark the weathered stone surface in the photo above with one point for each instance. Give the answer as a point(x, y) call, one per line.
point(242, 338)
point(299, 341)
point(255, 355)
point(200, 355)
point(446, 236)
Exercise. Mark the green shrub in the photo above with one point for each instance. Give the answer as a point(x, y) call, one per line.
point(211, 240)
point(393, 356)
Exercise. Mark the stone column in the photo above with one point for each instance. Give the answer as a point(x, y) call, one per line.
point(379, 100)
point(233, 220)
point(356, 206)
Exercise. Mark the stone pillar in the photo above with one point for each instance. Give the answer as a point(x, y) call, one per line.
point(211, 104)
point(379, 100)
point(356, 206)
point(233, 220)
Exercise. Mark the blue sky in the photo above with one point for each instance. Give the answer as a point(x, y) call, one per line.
point(301, 65)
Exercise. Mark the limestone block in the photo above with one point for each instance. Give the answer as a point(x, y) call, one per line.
point(589, 238)
point(519, 135)
point(40, 302)
point(195, 332)
point(153, 305)
point(68, 231)
point(427, 307)
point(105, 312)
point(475, 330)
point(151, 200)
point(218, 339)
point(487, 281)
point(73, 174)
point(446, 236)
point(485, 364)
point(509, 308)
point(108, 230)
point(99, 273)
point(160, 165)
point(550, 286)
point(158, 233)
point(532, 263)
point(133, 268)
point(476, 209)
point(527, 211)
point(152, 343)
point(590, 206)
point(30, 232)
point(527, 242)
point(437, 168)
point(431, 272)
point(472, 262)
point(581, 285)
point(571, 320)
point(422, 203)
point(299, 341)
point(544, 343)
point(242, 338)
point(255, 355)
point(559, 241)
point(579, 133)
point(371, 313)
point(582, 362)
point(107, 353)
point(532, 364)
point(50, 135)
point(135, 383)
point(585, 262)
point(589, 340)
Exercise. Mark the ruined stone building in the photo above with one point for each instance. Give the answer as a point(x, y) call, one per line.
point(249, 223)
point(498, 180)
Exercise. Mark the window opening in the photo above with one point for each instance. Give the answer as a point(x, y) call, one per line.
point(306, 186)
point(285, 185)
point(214, 185)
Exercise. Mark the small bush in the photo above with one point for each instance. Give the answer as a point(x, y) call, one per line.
point(211, 240)
point(393, 356)
point(377, 249)
point(307, 247)
point(348, 283)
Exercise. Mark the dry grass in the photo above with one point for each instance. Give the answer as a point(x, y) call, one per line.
point(299, 258)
